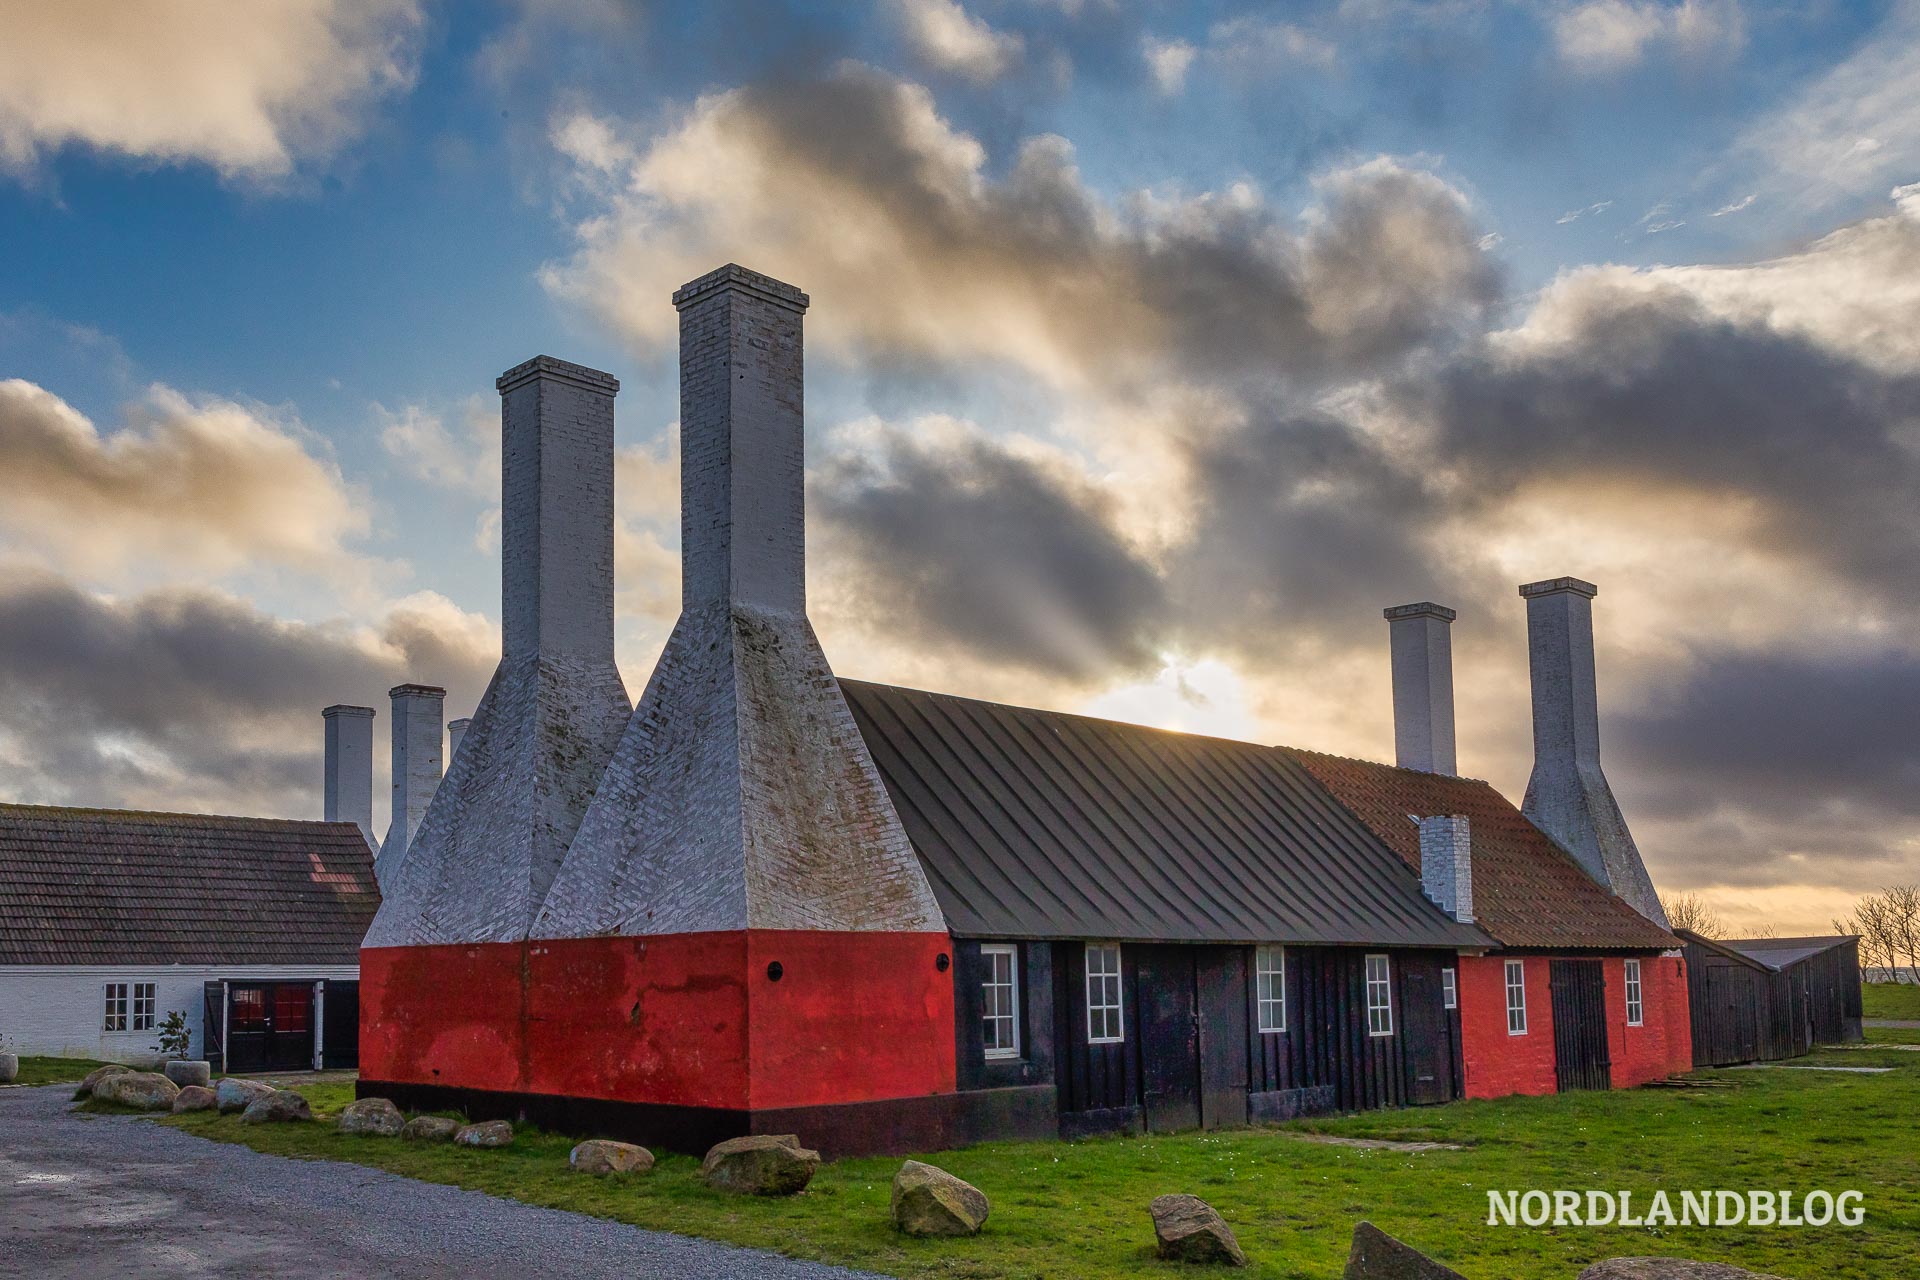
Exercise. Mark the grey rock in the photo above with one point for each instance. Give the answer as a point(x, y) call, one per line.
point(195, 1097)
point(373, 1117)
point(489, 1133)
point(141, 1090)
point(1667, 1269)
point(929, 1201)
point(760, 1165)
point(9, 1068)
point(95, 1076)
point(280, 1106)
point(1189, 1230)
point(430, 1129)
point(237, 1095)
point(184, 1073)
point(1378, 1256)
point(601, 1157)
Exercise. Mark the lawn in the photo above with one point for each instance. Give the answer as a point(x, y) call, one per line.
point(1891, 1000)
point(1079, 1209)
point(55, 1070)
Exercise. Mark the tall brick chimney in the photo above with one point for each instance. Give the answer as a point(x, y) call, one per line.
point(1568, 796)
point(1420, 639)
point(347, 788)
point(417, 715)
point(456, 730)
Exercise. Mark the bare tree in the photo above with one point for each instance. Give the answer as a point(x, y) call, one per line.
point(1690, 911)
point(1888, 924)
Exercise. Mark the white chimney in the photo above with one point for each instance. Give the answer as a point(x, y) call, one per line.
point(348, 786)
point(456, 730)
point(1421, 642)
point(1446, 864)
point(417, 714)
point(1568, 796)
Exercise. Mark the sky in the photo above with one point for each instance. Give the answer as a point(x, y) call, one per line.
point(1154, 349)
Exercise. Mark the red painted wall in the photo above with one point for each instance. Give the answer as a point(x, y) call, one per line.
point(686, 1019)
point(1497, 1063)
point(1663, 1044)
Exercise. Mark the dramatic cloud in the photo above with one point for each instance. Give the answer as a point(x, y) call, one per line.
point(194, 483)
point(250, 89)
point(1602, 36)
point(464, 458)
point(945, 36)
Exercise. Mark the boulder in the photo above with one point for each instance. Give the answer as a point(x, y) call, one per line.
point(373, 1117)
point(760, 1165)
point(9, 1068)
point(1189, 1230)
point(278, 1107)
point(1378, 1256)
point(184, 1073)
point(234, 1094)
point(1667, 1269)
point(95, 1076)
point(141, 1090)
point(430, 1129)
point(195, 1097)
point(490, 1133)
point(601, 1157)
point(932, 1202)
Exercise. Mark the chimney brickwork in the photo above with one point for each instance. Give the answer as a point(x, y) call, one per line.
point(1421, 644)
point(417, 765)
point(1446, 864)
point(347, 790)
point(456, 730)
point(1568, 796)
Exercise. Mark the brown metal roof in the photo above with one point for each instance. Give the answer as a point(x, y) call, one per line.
point(1037, 824)
point(1527, 891)
point(118, 886)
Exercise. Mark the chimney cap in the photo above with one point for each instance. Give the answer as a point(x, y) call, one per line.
point(455, 724)
point(561, 370)
point(416, 691)
point(1559, 586)
point(735, 276)
point(345, 709)
point(1424, 609)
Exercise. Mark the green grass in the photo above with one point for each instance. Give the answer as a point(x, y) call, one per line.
point(55, 1070)
point(1079, 1209)
point(1893, 1035)
point(1891, 1000)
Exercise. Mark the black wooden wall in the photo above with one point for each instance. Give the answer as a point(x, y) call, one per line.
point(1035, 1063)
point(1743, 1013)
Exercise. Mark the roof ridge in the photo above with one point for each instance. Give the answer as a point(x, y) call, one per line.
point(1381, 764)
point(105, 811)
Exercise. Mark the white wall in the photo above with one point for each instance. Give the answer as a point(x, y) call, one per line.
point(57, 1010)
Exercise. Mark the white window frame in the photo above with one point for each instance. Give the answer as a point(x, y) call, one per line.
point(1516, 973)
point(1636, 996)
point(1449, 989)
point(991, 954)
point(116, 1005)
point(1105, 1031)
point(142, 1007)
point(1379, 1012)
point(1270, 988)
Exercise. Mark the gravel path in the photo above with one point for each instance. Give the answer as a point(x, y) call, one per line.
point(1905, 1024)
point(89, 1196)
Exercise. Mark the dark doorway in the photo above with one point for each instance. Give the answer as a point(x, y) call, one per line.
point(340, 1025)
point(1169, 1037)
point(1427, 1031)
point(1220, 976)
point(269, 1026)
point(1580, 1056)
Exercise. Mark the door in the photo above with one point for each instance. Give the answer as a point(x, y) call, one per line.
point(1169, 1037)
point(269, 1026)
point(1427, 1031)
point(340, 1029)
point(1220, 975)
point(1580, 1056)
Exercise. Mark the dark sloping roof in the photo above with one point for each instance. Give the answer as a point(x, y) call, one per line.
point(117, 886)
point(1693, 939)
point(1036, 824)
point(1527, 891)
point(1778, 953)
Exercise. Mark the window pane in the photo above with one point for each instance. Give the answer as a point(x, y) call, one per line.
point(291, 1006)
point(1000, 1033)
point(1104, 1019)
point(1379, 996)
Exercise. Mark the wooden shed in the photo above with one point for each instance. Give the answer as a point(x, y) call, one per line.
point(1764, 999)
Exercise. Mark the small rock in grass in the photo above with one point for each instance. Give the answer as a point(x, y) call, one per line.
point(235, 1094)
point(1189, 1230)
point(430, 1129)
point(1378, 1256)
point(9, 1068)
point(280, 1106)
point(760, 1165)
point(372, 1117)
point(95, 1076)
point(195, 1097)
point(601, 1157)
point(183, 1072)
point(490, 1133)
point(1667, 1269)
point(141, 1090)
point(929, 1201)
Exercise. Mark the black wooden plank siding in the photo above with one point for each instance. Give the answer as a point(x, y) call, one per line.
point(1745, 1009)
point(1581, 1056)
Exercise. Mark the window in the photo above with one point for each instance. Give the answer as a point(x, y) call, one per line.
point(1270, 982)
point(1103, 994)
point(249, 1011)
point(1449, 990)
point(116, 1019)
point(1000, 1000)
point(1635, 1010)
point(1379, 997)
point(1516, 998)
point(143, 1006)
point(292, 1007)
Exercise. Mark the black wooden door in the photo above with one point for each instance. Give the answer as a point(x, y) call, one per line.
point(340, 1029)
point(1580, 1056)
point(269, 1026)
point(1169, 1037)
point(1220, 977)
point(1427, 1031)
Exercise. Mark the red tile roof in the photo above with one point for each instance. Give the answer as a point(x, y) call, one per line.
point(1527, 891)
point(118, 886)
